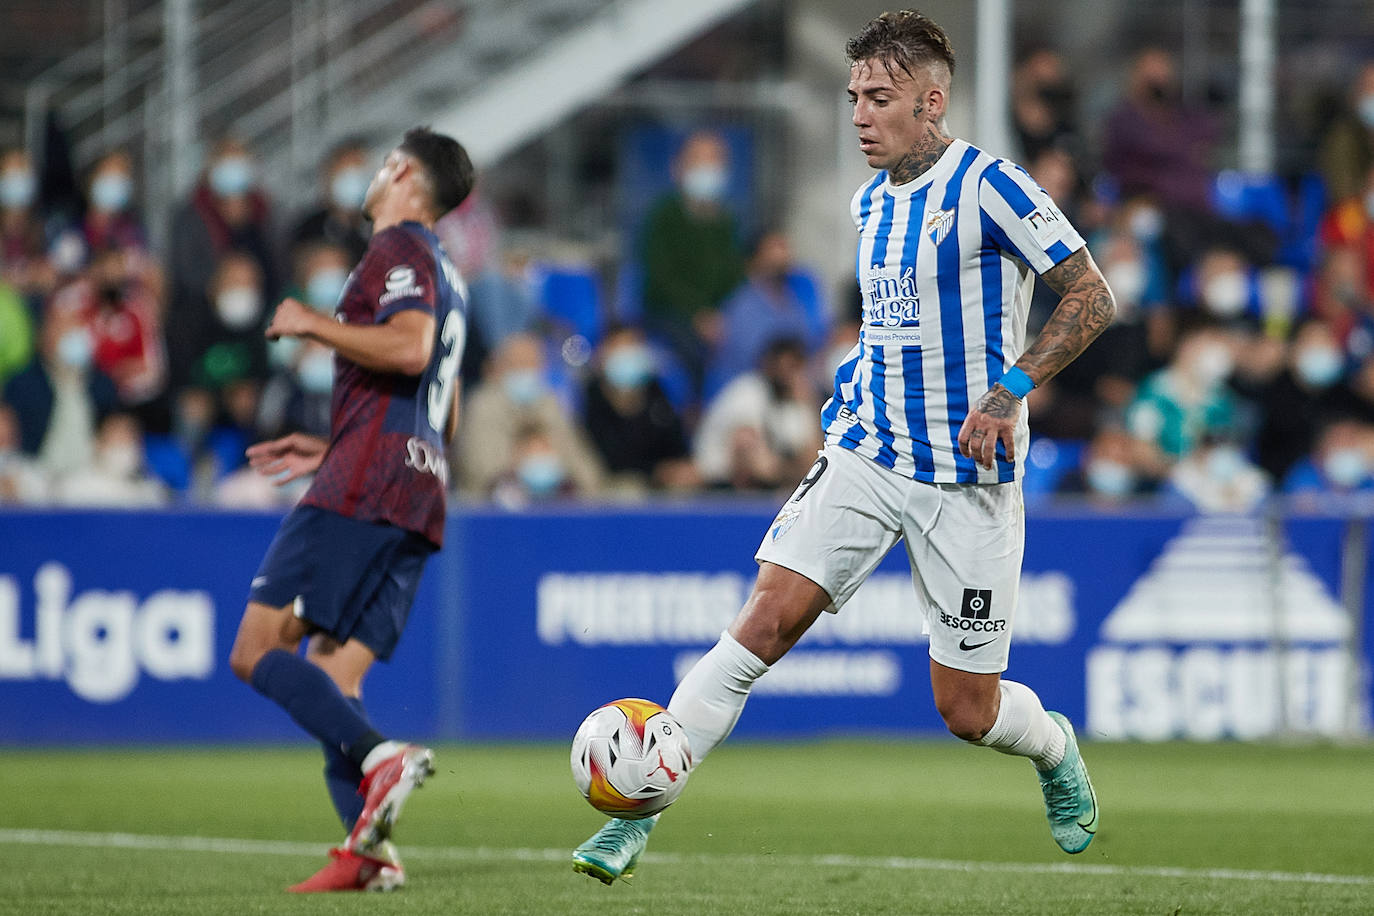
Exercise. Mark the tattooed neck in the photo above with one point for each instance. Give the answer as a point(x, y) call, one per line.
point(924, 153)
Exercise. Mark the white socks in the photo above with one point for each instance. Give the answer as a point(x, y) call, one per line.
point(1023, 729)
point(711, 697)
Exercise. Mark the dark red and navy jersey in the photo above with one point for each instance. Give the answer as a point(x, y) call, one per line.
point(386, 458)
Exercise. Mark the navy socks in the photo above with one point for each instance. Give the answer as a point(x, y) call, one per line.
point(313, 700)
point(342, 777)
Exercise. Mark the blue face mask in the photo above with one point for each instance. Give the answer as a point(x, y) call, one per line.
point(18, 189)
point(231, 176)
point(282, 351)
point(523, 386)
point(1320, 367)
point(324, 288)
point(316, 372)
point(1109, 478)
point(629, 367)
point(348, 188)
point(541, 475)
point(74, 349)
point(111, 193)
point(705, 183)
point(1224, 463)
point(1345, 467)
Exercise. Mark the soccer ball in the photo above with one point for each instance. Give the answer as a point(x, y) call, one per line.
point(630, 758)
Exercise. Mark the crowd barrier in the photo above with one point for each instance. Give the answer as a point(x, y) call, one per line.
point(115, 627)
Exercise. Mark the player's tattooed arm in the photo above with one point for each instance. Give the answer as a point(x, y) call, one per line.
point(1085, 309)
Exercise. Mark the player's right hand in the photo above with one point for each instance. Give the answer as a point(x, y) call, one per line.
point(288, 458)
point(292, 318)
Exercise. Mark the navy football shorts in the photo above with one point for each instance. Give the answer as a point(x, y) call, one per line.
point(348, 578)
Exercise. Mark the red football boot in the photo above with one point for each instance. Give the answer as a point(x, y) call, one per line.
point(385, 788)
point(349, 871)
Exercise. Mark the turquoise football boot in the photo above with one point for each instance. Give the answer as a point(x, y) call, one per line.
point(614, 850)
point(1070, 802)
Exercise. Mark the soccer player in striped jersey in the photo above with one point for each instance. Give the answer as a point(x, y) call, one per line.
point(343, 569)
point(923, 432)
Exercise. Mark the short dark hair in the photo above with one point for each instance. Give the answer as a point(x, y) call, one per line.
point(905, 39)
point(450, 171)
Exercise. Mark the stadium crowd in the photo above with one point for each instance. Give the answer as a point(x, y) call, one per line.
point(1240, 364)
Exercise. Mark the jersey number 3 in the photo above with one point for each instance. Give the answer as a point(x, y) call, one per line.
point(441, 389)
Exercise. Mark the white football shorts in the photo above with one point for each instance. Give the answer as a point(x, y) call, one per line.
point(964, 543)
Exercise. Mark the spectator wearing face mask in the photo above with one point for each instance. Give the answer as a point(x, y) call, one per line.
point(691, 254)
point(226, 341)
point(1223, 286)
point(1342, 463)
point(1153, 143)
point(24, 262)
point(1179, 405)
point(1111, 472)
point(1218, 477)
point(338, 218)
point(1346, 151)
point(538, 471)
point(227, 213)
point(112, 219)
point(1042, 107)
point(515, 394)
point(61, 396)
point(125, 324)
point(115, 476)
point(297, 394)
point(632, 424)
point(763, 309)
point(760, 432)
point(1309, 389)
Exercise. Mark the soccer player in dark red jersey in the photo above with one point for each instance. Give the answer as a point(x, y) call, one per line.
point(343, 569)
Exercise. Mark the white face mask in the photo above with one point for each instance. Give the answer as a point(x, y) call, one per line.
point(1320, 366)
point(705, 183)
point(238, 307)
point(1213, 364)
point(1365, 109)
point(121, 460)
point(1225, 462)
point(1110, 478)
point(1146, 223)
point(75, 348)
point(1369, 204)
point(18, 188)
point(1224, 295)
point(316, 372)
point(348, 188)
point(1345, 467)
point(1127, 280)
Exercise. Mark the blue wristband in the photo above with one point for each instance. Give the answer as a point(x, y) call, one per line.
point(1017, 382)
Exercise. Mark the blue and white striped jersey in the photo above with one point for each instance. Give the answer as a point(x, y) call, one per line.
point(945, 265)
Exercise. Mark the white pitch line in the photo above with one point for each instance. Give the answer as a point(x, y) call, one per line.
point(491, 854)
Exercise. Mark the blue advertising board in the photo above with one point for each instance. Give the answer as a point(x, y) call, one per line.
point(116, 627)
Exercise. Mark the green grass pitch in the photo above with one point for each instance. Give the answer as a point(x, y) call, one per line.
point(829, 827)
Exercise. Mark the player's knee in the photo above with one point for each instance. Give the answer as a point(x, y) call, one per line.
point(966, 719)
point(243, 658)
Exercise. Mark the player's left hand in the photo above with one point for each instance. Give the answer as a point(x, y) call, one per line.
point(993, 418)
point(292, 318)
